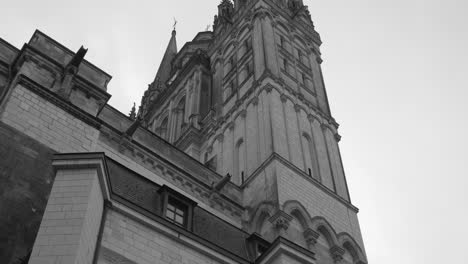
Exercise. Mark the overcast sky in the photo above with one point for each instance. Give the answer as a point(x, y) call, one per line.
point(395, 73)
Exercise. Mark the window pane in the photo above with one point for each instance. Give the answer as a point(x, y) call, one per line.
point(179, 219)
point(170, 214)
point(170, 207)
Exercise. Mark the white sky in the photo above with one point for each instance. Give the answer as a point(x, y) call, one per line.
point(395, 73)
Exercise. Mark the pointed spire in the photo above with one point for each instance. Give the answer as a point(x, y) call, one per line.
point(165, 67)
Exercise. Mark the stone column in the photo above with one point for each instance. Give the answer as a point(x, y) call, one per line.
point(195, 108)
point(220, 159)
point(329, 154)
point(258, 46)
point(269, 45)
point(217, 72)
point(72, 219)
point(319, 85)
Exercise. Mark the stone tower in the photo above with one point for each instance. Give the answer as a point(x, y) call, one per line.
point(248, 100)
point(232, 157)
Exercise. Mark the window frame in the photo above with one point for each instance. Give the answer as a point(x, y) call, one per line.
point(167, 194)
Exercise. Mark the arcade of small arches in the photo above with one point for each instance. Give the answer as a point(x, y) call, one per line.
point(314, 233)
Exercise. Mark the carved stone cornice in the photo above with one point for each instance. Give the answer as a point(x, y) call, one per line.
point(58, 101)
point(197, 187)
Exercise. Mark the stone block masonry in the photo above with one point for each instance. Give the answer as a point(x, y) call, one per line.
point(71, 222)
point(131, 242)
point(47, 123)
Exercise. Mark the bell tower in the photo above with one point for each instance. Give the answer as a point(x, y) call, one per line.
point(256, 87)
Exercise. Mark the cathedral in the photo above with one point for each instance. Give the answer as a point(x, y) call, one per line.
point(231, 157)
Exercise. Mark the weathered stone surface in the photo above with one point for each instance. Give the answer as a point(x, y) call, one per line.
point(25, 182)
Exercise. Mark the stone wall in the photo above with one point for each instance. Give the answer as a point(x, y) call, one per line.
point(317, 202)
point(131, 242)
point(71, 222)
point(50, 125)
point(26, 179)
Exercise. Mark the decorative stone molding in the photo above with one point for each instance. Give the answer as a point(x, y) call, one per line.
point(283, 98)
point(230, 126)
point(281, 220)
point(325, 126)
point(191, 186)
point(260, 13)
point(337, 253)
point(311, 237)
point(243, 113)
point(255, 100)
point(301, 96)
point(234, 36)
point(319, 60)
point(312, 118)
point(238, 103)
point(338, 137)
point(220, 138)
point(297, 108)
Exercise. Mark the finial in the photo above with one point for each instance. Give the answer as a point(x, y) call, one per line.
point(132, 114)
point(175, 24)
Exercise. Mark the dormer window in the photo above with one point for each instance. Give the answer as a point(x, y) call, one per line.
point(176, 212)
point(176, 208)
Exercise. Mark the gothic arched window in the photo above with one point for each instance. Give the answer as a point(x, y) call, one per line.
point(179, 113)
point(239, 163)
point(306, 146)
point(163, 128)
point(310, 156)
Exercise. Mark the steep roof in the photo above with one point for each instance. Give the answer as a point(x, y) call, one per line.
point(165, 67)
